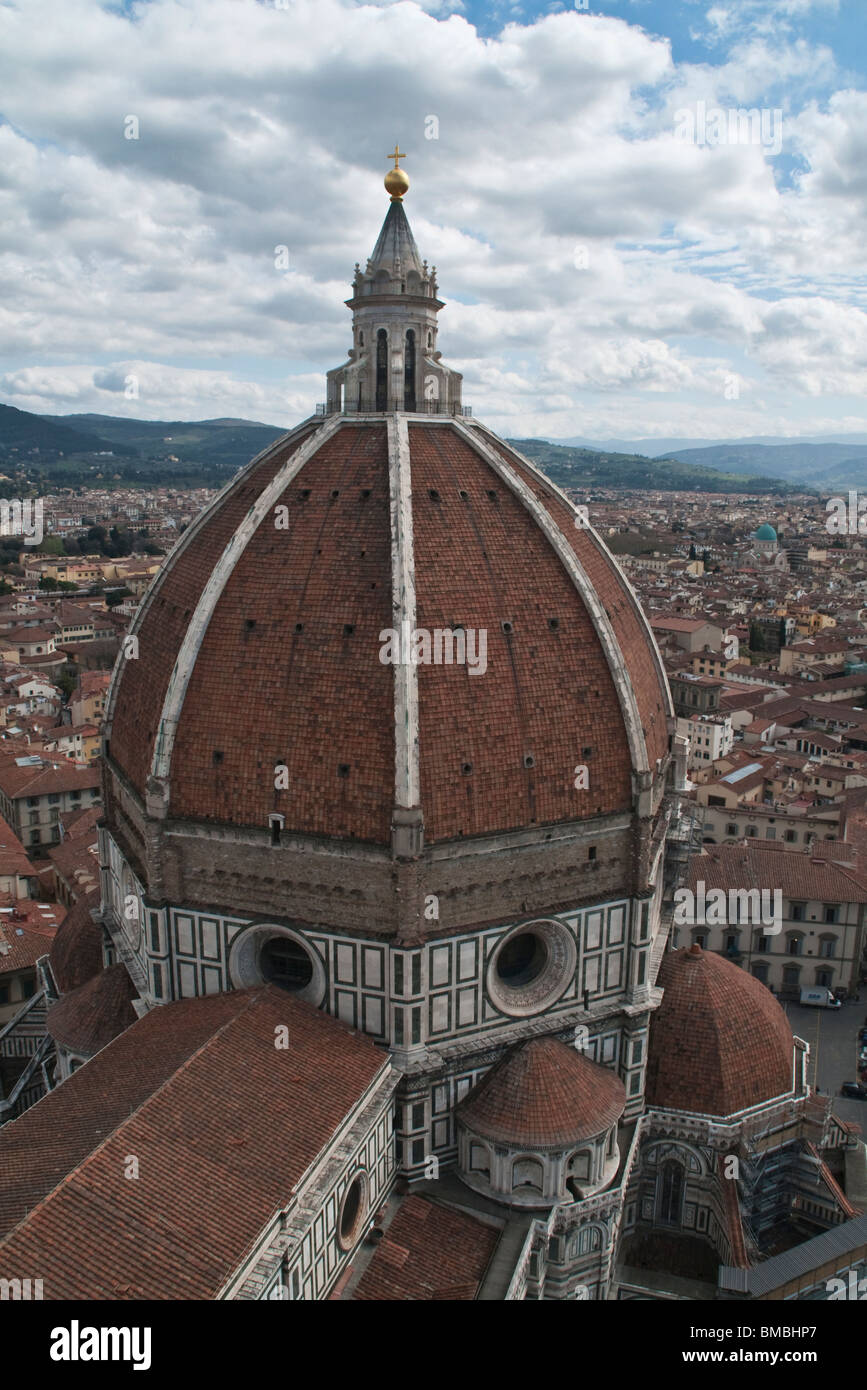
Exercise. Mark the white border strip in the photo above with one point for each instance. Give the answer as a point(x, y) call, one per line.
point(197, 627)
point(570, 562)
point(603, 548)
point(403, 608)
point(192, 530)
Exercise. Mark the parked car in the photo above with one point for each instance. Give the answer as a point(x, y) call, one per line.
point(855, 1090)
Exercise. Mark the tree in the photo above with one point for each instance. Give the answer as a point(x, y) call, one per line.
point(117, 596)
point(757, 638)
point(693, 553)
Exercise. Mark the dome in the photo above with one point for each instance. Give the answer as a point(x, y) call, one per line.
point(88, 1018)
point(76, 951)
point(543, 1094)
point(265, 643)
point(765, 532)
point(719, 1041)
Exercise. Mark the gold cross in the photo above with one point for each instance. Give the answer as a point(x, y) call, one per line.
point(396, 155)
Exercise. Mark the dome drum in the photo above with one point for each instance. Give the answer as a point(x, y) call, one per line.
point(538, 1178)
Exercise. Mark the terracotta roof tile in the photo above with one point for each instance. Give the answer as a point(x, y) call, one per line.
point(719, 1041)
point(87, 1018)
point(543, 1094)
point(430, 1253)
point(223, 1124)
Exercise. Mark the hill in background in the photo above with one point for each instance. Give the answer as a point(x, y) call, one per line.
point(585, 468)
point(43, 451)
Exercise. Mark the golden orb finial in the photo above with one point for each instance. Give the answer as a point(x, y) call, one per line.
point(396, 181)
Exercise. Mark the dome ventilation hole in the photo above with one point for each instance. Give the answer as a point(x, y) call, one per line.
point(466, 769)
point(335, 493)
point(463, 494)
point(343, 769)
point(304, 494)
point(217, 756)
point(365, 492)
point(507, 626)
point(299, 627)
point(348, 629)
point(529, 760)
point(249, 624)
point(433, 495)
point(554, 624)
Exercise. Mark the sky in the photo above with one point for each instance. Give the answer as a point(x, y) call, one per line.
point(621, 254)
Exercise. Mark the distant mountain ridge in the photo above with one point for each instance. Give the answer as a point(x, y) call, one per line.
point(74, 450)
point(587, 468)
point(830, 463)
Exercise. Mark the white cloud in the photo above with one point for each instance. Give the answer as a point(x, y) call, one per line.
point(261, 128)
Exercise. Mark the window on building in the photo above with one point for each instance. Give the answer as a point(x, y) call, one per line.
point(671, 1193)
point(832, 912)
point(825, 978)
point(794, 944)
point(28, 986)
point(827, 946)
point(752, 832)
point(760, 971)
point(798, 912)
point(731, 830)
point(791, 974)
point(791, 837)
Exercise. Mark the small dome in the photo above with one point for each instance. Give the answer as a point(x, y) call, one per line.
point(88, 1018)
point(719, 1042)
point(765, 532)
point(76, 951)
point(543, 1094)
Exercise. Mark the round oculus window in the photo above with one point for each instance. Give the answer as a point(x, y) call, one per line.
point(353, 1212)
point(531, 967)
point(284, 962)
point(271, 954)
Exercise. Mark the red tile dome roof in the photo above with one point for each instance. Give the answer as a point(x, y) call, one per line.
point(88, 1018)
point(260, 645)
point(76, 951)
point(719, 1041)
point(543, 1094)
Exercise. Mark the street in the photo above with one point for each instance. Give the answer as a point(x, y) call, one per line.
point(833, 1038)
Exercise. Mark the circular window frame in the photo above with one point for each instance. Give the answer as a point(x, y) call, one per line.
point(554, 978)
point(348, 1240)
point(245, 970)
